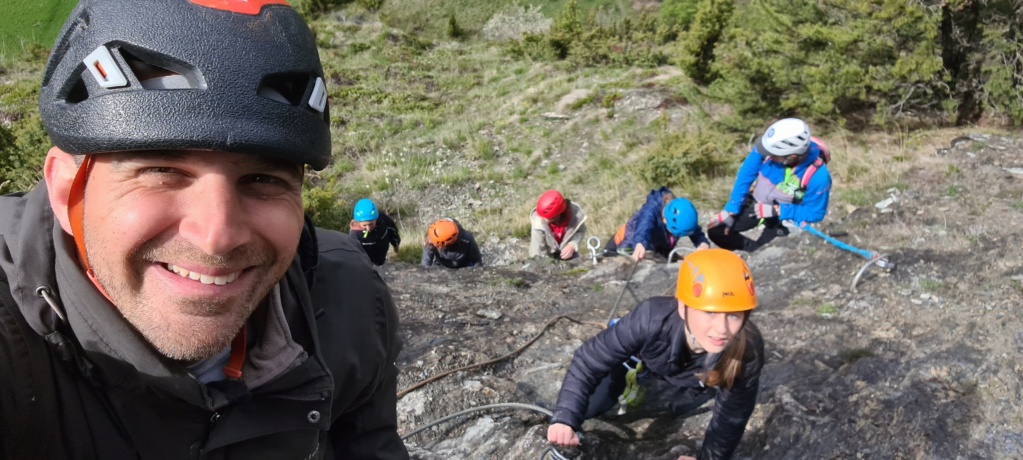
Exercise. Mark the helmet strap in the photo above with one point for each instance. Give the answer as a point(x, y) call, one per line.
point(76, 213)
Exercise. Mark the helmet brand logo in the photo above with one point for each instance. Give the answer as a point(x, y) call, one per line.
point(727, 294)
point(770, 132)
point(250, 7)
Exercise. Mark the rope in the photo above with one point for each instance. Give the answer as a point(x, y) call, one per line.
point(495, 360)
point(624, 288)
point(549, 450)
point(477, 409)
point(839, 244)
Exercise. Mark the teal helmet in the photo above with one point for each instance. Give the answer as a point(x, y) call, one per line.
point(365, 211)
point(680, 216)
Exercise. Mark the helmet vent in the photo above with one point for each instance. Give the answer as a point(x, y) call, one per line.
point(162, 72)
point(77, 93)
point(286, 88)
point(296, 90)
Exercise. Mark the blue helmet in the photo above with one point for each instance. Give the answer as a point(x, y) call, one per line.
point(365, 211)
point(681, 217)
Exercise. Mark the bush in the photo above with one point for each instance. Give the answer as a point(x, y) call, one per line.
point(678, 14)
point(454, 30)
point(1002, 69)
point(852, 59)
point(516, 23)
point(697, 46)
point(323, 206)
point(22, 153)
point(603, 39)
point(680, 160)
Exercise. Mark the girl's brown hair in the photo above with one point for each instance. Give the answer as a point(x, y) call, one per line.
point(728, 368)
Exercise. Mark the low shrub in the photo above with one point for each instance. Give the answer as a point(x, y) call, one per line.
point(681, 159)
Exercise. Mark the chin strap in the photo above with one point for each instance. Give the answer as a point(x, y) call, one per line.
point(233, 369)
point(75, 213)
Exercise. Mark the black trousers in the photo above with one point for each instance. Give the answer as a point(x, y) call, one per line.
point(606, 395)
point(747, 219)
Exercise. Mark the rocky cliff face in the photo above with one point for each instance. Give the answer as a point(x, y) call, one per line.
point(922, 362)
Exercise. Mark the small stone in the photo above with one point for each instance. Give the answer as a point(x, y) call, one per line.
point(916, 301)
point(492, 314)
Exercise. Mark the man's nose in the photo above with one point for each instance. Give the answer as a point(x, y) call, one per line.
point(214, 219)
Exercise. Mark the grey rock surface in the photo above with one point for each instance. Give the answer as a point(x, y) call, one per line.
point(922, 362)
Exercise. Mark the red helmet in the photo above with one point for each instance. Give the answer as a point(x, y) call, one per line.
point(550, 205)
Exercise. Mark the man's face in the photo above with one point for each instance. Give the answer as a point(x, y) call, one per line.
point(187, 244)
point(789, 161)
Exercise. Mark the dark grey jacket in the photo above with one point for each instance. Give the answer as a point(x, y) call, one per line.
point(89, 387)
point(463, 253)
point(655, 332)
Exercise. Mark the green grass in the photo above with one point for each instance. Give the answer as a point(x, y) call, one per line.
point(827, 310)
point(429, 18)
point(30, 22)
point(418, 118)
point(410, 252)
point(930, 285)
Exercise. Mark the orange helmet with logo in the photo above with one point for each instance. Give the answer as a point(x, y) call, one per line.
point(716, 280)
point(442, 233)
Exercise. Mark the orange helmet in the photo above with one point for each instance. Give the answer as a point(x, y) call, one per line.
point(442, 233)
point(716, 280)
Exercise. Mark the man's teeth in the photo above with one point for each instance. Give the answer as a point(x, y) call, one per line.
point(204, 279)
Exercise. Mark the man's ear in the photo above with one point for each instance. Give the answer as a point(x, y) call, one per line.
point(59, 172)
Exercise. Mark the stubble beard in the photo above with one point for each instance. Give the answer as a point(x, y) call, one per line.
point(209, 325)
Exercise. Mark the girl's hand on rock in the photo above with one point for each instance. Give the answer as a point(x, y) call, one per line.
point(562, 435)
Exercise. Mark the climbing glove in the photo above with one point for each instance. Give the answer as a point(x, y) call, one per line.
point(722, 218)
point(765, 210)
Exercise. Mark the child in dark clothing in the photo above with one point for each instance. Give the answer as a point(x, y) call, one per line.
point(450, 245)
point(375, 230)
point(657, 227)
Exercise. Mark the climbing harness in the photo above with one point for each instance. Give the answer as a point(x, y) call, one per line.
point(634, 393)
point(873, 258)
point(593, 244)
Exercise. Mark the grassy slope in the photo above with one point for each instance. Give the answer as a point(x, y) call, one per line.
point(27, 22)
point(458, 128)
point(438, 127)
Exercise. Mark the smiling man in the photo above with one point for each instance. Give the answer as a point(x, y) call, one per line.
point(161, 293)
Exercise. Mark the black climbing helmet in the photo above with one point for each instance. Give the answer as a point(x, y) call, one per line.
point(231, 75)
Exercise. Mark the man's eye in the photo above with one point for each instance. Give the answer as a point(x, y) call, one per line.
point(160, 170)
point(263, 179)
point(269, 184)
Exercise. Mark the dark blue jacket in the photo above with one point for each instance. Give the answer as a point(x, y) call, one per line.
point(655, 332)
point(646, 226)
